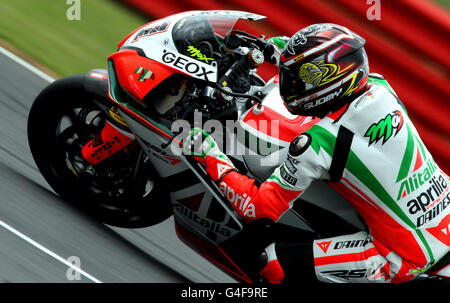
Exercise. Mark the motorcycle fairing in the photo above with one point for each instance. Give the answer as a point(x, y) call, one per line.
point(211, 252)
point(219, 221)
point(138, 75)
point(129, 106)
point(198, 211)
point(174, 40)
point(155, 55)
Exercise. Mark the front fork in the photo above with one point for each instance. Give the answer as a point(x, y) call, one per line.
point(110, 141)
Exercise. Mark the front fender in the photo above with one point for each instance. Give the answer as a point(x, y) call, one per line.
point(96, 84)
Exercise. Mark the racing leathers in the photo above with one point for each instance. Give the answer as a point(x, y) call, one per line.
point(373, 156)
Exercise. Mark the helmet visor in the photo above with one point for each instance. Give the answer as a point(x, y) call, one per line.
point(291, 86)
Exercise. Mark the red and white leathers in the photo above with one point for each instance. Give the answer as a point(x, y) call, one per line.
point(390, 178)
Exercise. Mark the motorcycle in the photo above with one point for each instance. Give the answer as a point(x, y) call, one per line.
point(104, 141)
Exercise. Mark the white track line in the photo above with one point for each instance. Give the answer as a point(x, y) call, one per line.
point(26, 65)
point(48, 252)
point(11, 229)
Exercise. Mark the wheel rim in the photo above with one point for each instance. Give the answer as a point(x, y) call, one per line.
point(109, 188)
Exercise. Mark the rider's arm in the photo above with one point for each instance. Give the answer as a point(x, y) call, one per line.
point(278, 192)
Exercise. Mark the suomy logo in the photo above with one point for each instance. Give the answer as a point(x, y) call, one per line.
point(322, 100)
point(383, 129)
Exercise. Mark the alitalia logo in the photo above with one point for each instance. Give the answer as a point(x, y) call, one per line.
point(417, 179)
point(384, 129)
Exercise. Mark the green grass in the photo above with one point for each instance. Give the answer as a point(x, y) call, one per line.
point(444, 3)
point(40, 29)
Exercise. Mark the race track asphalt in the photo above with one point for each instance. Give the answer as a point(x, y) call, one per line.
point(39, 233)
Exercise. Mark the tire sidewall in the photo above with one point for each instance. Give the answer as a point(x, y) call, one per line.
point(59, 96)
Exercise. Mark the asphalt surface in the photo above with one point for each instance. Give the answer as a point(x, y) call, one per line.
point(43, 239)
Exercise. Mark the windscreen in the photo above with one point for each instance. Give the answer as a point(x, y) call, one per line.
point(202, 35)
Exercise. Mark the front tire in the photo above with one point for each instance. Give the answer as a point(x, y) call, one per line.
point(58, 126)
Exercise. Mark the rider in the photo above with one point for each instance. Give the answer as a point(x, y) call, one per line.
point(366, 146)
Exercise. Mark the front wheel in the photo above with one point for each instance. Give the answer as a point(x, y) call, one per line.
point(123, 190)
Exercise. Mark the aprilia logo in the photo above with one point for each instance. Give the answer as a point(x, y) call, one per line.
point(239, 202)
point(433, 194)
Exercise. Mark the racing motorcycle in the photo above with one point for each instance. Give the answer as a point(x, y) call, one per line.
point(104, 141)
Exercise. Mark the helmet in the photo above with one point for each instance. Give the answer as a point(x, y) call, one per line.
point(322, 68)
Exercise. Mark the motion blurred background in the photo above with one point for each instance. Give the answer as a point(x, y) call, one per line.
point(407, 41)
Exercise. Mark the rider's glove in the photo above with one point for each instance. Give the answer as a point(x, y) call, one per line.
point(278, 44)
point(204, 149)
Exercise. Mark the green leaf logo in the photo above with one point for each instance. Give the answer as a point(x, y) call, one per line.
point(144, 74)
point(384, 128)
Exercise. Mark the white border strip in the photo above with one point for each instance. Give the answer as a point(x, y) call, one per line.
point(48, 252)
point(26, 65)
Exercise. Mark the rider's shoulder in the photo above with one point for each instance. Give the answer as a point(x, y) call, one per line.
point(376, 76)
point(300, 144)
point(378, 81)
point(378, 94)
